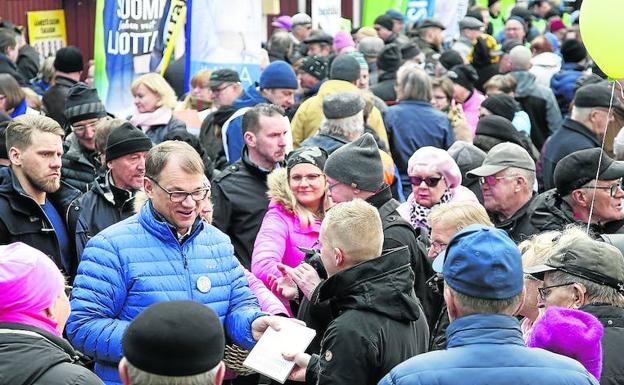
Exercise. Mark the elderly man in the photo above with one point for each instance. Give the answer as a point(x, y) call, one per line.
point(376, 323)
point(111, 199)
point(483, 289)
point(588, 275)
point(507, 177)
point(30, 214)
point(585, 128)
point(580, 198)
point(311, 74)
point(165, 252)
point(173, 342)
point(225, 86)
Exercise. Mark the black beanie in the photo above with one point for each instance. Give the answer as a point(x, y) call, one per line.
point(69, 59)
point(389, 59)
point(315, 66)
point(573, 51)
point(465, 75)
point(501, 105)
point(499, 128)
point(345, 67)
point(450, 59)
point(83, 103)
point(126, 139)
point(385, 21)
point(175, 338)
point(357, 164)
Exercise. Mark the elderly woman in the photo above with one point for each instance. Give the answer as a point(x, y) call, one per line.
point(298, 201)
point(13, 98)
point(33, 312)
point(435, 179)
point(154, 100)
point(413, 122)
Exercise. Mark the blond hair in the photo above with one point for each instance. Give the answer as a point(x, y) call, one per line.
point(535, 250)
point(158, 85)
point(355, 228)
point(19, 133)
point(460, 214)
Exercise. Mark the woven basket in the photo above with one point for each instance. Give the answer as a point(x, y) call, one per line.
point(234, 357)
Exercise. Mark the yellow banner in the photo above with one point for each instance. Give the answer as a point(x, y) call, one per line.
point(46, 31)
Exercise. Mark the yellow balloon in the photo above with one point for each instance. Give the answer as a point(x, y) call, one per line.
point(602, 28)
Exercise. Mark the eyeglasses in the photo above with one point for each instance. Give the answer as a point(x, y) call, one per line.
point(331, 186)
point(546, 290)
point(180, 196)
point(83, 127)
point(438, 246)
point(429, 181)
point(311, 178)
point(491, 180)
point(613, 189)
point(218, 90)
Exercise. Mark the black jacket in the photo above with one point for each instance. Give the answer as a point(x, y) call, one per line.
point(28, 62)
point(377, 322)
point(384, 89)
point(240, 202)
point(31, 356)
point(519, 226)
point(612, 319)
point(54, 100)
point(23, 220)
point(80, 167)
point(102, 206)
point(8, 67)
point(550, 212)
point(210, 135)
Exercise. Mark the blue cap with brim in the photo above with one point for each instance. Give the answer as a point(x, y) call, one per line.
point(483, 262)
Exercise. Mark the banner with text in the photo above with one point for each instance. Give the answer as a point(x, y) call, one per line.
point(326, 15)
point(225, 34)
point(125, 34)
point(46, 31)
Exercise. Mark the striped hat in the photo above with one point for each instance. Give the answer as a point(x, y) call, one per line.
point(83, 103)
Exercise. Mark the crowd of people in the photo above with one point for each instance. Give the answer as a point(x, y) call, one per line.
point(438, 211)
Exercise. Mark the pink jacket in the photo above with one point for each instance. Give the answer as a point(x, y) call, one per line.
point(472, 108)
point(268, 301)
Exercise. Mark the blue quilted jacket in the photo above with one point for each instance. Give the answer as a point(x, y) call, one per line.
point(138, 262)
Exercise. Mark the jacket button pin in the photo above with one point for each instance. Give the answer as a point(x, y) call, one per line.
point(329, 355)
point(204, 284)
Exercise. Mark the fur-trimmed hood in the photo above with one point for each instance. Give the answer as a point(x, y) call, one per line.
point(279, 191)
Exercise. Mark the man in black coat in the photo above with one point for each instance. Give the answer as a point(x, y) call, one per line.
point(8, 56)
point(239, 192)
point(377, 322)
point(388, 63)
point(68, 66)
point(111, 199)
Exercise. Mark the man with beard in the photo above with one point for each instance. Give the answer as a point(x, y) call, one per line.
point(28, 213)
point(239, 192)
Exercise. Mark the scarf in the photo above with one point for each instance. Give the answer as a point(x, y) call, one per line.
point(20, 109)
point(419, 214)
point(147, 120)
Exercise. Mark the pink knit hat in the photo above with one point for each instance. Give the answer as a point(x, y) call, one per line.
point(570, 332)
point(436, 160)
point(284, 22)
point(343, 40)
point(30, 283)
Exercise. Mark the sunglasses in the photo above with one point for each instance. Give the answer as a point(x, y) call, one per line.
point(491, 180)
point(429, 181)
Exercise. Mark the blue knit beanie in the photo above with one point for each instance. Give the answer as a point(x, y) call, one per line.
point(278, 74)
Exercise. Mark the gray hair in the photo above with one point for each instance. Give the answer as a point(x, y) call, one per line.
point(140, 377)
point(580, 114)
point(526, 174)
point(414, 83)
point(349, 128)
point(595, 292)
point(472, 305)
point(161, 154)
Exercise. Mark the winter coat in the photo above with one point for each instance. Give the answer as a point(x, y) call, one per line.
point(240, 202)
point(102, 206)
point(31, 356)
point(23, 220)
point(210, 136)
point(8, 67)
point(413, 124)
point(268, 302)
point(157, 133)
point(488, 349)
point(140, 261)
point(309, 115)
point(232, 130)
point(550, 212)
point(376, 324)
point(54, 100)
point(541, 105)
point(612, 319)
point(519, 226)
point(79, 167)
point(281, 232)
point(472, 109)
point(326, 142)
point(571, 137)
point(563, 84)
point(384, 89)
point(544, 66)
point(28, 62)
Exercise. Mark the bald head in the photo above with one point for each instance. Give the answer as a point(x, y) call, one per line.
point(520, 58)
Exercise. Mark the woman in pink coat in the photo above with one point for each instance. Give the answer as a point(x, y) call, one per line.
point(293, 219)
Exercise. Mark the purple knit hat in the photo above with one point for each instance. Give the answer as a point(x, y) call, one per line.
point(570, 332)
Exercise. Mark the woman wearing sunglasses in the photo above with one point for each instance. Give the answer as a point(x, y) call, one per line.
point(297, 205)
point(435, 179)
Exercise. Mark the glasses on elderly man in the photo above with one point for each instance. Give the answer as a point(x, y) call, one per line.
point(613, 189)
point(429, 181)
point(545, 291)
point(491, 180)
point(180, 196)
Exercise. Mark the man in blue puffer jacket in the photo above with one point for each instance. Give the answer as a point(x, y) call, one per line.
point(163, 253)
point(483, 289)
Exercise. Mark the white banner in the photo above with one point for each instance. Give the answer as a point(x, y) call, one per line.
point(326, 15)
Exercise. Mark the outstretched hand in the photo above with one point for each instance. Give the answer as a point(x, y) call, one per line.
point(304, 276)
point(283, 286)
